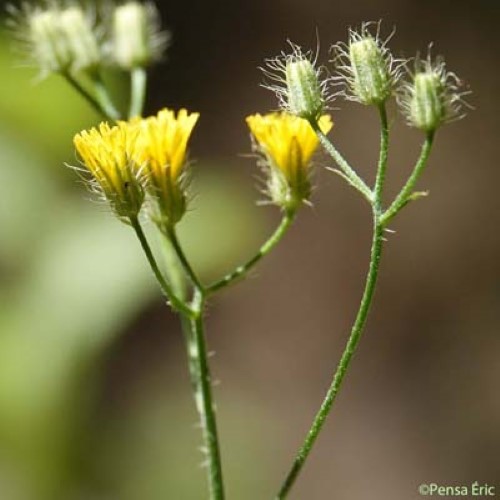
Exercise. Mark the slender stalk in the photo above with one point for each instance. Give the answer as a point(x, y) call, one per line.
point(104, 99)
point(406, 192)
point(176, 303)
point(241, 271)
point(172, 236)
point(350, 175)
point(85, 94)
point(200, 376)
point(343, 365)
point(382, 162)
point(138, 77)
point(375, 200)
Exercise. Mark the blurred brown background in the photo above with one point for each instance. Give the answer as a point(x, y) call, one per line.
point(94, 394)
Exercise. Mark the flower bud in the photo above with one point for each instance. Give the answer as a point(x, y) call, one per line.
point(81, 38)
point(59, 39)
point(371, 82)
point(432, 98)
point(49, 47)
point(305, 97)
point(367, 68)
point(136, 39)
point(298, 83)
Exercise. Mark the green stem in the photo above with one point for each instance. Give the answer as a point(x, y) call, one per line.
point(348, 172)
point(85, 93)
point(175, 302)
point(104, 99)
point(138, 82)
point(188, 269)
point(382, 162)
point(405, 194)
point(201, 380)
point(347, 355)
point(241, 271)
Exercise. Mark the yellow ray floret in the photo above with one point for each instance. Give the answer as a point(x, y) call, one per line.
point(288, 141)
point(107, 153)
point(162, 144)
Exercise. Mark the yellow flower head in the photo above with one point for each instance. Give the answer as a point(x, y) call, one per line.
point(162, 149)
point(288, 144)
point(107, 152)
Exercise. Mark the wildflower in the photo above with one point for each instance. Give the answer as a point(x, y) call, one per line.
point(58, 38)
point(162, 149)
point(433, 97)
point(136, 39)
point(367, 69)
point(287, 143)
point(298, 82)
point(107, 153)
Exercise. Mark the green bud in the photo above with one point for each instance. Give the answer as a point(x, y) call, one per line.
point(136, 39)
point(305, 96)
point(62, 39)
point(433, 97)
point(427, 108)
point(81, 38)
point(371, 77)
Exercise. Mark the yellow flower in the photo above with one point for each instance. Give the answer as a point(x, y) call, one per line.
point(288, 143)
point(107, 152)
point(162, 149)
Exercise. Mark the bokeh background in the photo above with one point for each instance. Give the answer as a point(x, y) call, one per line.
point(94, 393)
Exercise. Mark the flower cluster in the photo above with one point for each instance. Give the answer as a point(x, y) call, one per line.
point(137, 157)
point(64, 36)
point(368, 73)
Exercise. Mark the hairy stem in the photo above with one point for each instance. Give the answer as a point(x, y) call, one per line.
point(138, 78)
point(188, 269)
point(405, 194)
point(241, 271)
point(104, 99)
point(348, 172)
point(343, 365)
point(175, 302)
point(202, 386)
point(85, 94)
point(382, 161)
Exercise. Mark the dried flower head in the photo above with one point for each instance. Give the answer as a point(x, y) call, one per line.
point(287, 144)
point(433, 96)
point(136, 39)
point(367, 70)
point(162, 149)
point(58, 36)
point(108, 155)
point(300, 85)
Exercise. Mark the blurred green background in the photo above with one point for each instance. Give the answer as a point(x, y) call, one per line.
point(94, 393)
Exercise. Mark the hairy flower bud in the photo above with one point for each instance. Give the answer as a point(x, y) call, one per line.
point(305, 97)
point(432, 98)
point(298, 83)
point(372, 81)
point(136, 39)
point(58, 38)
point(367, 68)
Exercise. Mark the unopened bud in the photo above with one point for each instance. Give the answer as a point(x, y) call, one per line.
point(62, 39)
point(433, 97)
point(136, 38)
point(371, 76)
point(81, 38)
point(305, 96)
